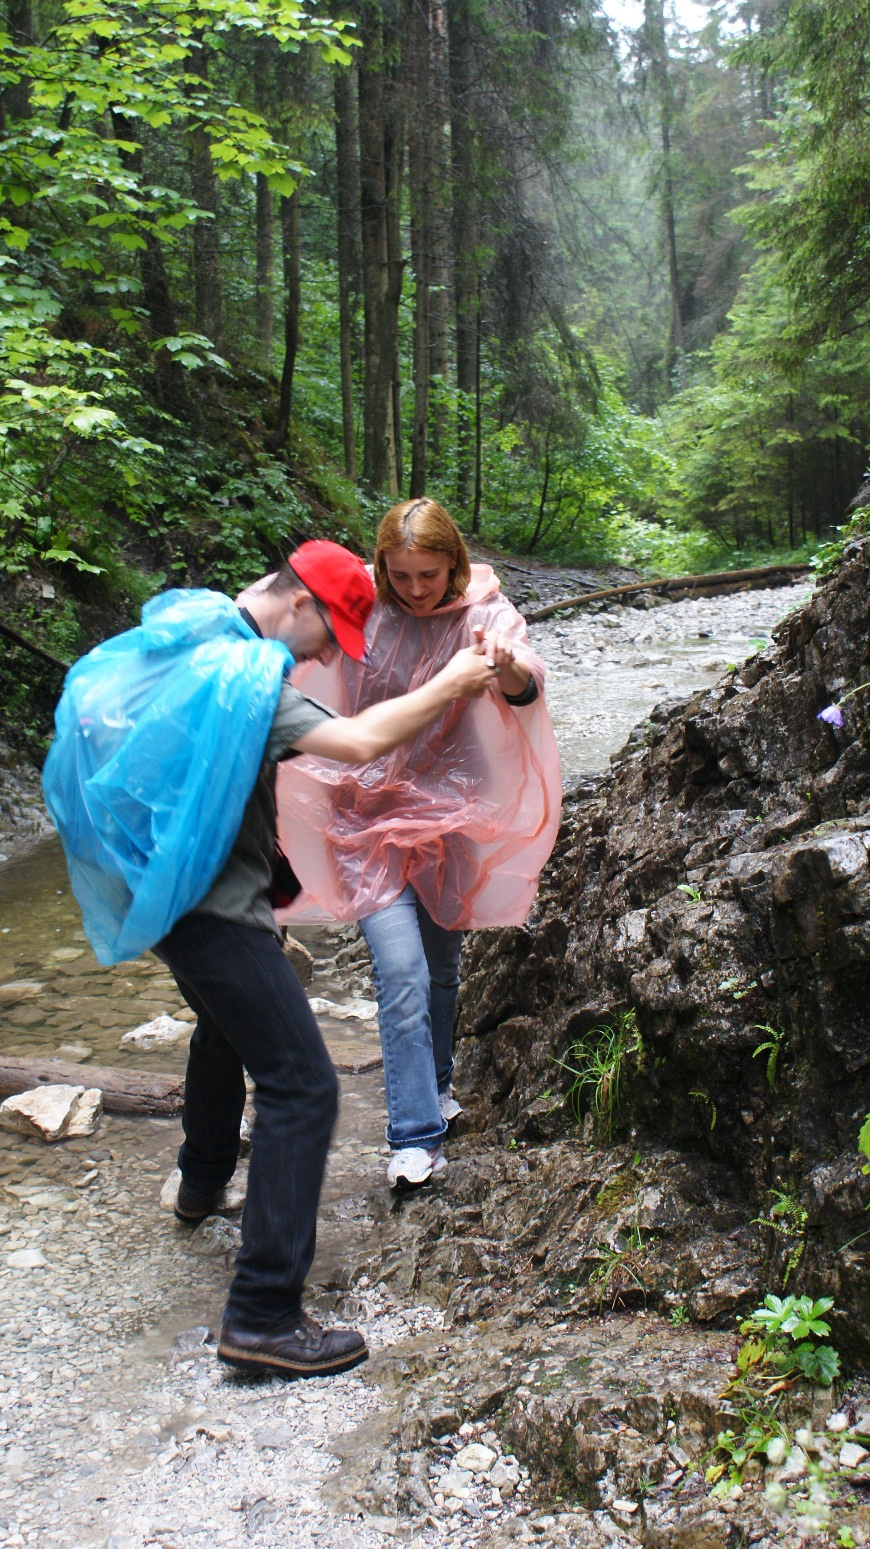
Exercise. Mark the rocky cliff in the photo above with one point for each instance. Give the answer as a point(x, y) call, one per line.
point(700, 952)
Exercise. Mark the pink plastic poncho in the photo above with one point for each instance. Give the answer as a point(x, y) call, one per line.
point(467, 812)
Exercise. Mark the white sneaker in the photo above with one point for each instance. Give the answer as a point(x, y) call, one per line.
point(415, 1165)
point(450, 1108)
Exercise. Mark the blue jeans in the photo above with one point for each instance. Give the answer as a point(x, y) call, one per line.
point(416, 972)
point(252, 1013)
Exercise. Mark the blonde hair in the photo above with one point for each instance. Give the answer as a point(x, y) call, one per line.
point(421, 524)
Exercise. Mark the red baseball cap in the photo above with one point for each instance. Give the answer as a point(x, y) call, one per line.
point(342, 583)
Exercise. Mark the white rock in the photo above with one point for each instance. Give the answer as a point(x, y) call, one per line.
point(456, 1482)
point(628, 1507)
point(358, 1009)
point(851, 1454)
point(54, 1112)
point(26, 1258)
point(475, 1458)
point(505, 1476)
point(837, 1422)
point(151, 1035)
point(19, 989)
point(74, 1051)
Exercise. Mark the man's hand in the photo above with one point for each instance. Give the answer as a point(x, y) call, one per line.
point(469, 673)
point(512, 676)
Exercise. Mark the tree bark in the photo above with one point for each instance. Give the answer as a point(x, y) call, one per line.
point(420, 181)
point(465, 263)
point(265, 319)
point(291, 248)
point(439, 232)
point(208, 305)
point(15, 98)
point(656, 47)
point(380, 181)
point(347, 210)
point(171, 380)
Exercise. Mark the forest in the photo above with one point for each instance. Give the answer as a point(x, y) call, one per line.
point(604, 292)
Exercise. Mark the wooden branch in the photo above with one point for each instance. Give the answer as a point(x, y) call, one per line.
point(715, 581)
point(124, 1091)
point(37, 650)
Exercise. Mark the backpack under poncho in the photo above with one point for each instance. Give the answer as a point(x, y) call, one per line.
point(159, 737)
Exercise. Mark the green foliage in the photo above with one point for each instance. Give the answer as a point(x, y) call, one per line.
point(790, 1327)
point(813, 172)
point(771, 1047)
point(787, 1218)
point(596, 1062)
point(864, 1145)
point(780, 1352)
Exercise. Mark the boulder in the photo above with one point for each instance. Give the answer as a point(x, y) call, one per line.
point(53, 1112)
point(714, 889)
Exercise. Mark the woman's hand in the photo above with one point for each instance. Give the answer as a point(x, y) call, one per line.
point(469, 672)
point(512, 676)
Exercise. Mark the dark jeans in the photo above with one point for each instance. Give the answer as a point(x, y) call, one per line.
point(253, 1013)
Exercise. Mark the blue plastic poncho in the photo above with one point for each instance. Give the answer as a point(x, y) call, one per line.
point(160, 733)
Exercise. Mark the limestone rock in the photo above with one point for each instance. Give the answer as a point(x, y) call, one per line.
point(852, 1454)
point(475, 1458)
point(357, 1009)
point(53, 1112)
point(216, 1236)
point(715, 883)
point(16, 990)
point(26, 1258)
point(300, 959)
point(153, 1035)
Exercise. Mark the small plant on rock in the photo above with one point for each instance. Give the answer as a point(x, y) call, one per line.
point(770, 1047)
point(787, 1217)
point(790, 1328)
point(783, 1349)
point(596, 1062)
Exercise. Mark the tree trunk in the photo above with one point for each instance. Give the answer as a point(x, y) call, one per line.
point(291, 248)
point(380, 168)
point(419, 164)
point(208, 308)
point(170, 376)
point(265, 269)
point(655, 45)
point(439, 230)
point(347, 183)
point(15, 97)
point(465, 266)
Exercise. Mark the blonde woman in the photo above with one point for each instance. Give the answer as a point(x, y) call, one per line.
point(447, 833)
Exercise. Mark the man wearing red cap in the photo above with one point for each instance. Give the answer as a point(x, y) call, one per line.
point(227, 958)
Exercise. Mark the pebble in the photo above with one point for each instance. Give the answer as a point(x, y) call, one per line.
point(852, 1455)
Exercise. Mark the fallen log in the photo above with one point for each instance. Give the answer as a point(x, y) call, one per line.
point(124, 1091)
point(703, 585)
point(32, 647)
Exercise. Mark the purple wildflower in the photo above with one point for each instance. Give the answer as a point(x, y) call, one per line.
point(832, 714)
